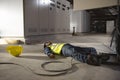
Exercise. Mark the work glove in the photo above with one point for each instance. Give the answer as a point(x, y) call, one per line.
point(52, 56)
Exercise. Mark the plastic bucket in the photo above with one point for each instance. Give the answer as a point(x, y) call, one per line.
point(14, 50)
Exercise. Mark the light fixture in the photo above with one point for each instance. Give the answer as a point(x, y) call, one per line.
point(45, 2)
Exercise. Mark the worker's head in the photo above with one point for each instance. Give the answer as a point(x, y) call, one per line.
point(94, 60)
point(48, 43)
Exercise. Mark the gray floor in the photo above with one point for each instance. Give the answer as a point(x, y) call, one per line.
point(33, 56)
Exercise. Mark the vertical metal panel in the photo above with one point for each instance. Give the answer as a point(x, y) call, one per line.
point(67, 17)
point(63, 18)
point(43, 17)
point(31, 17)
point(58, 16)
point(52, 17)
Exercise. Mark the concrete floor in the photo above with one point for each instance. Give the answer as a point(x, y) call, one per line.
point(33, 56)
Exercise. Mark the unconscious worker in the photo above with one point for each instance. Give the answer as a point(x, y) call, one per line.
point(83, 54)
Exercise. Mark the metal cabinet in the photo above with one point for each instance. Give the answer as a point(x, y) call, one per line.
point(49, 17)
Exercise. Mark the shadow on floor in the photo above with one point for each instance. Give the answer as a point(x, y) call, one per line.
point(112, 65)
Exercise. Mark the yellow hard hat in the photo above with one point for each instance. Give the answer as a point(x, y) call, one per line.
point(14, 50)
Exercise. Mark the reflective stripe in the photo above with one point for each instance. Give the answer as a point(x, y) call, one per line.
point(56, 48)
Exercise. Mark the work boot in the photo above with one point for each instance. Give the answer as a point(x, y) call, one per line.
point(104, 57)
point(93, 60)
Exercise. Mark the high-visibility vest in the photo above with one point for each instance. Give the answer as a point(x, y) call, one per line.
point(56, 48)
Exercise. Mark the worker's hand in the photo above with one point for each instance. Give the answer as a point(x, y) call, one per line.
point(52, 56)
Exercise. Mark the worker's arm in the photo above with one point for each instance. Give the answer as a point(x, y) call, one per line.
point(48, 51)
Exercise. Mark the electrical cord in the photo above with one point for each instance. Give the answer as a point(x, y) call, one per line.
point(46, 63)
point(58, 72)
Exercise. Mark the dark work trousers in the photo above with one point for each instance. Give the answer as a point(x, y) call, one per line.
point(78, 53)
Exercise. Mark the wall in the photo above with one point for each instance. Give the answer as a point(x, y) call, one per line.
point(11, 18)
point(90, 4)
point(80, 20)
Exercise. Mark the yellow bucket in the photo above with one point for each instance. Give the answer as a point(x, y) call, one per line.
point(15, 50)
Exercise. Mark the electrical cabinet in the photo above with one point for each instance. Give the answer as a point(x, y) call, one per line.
point(46, 17)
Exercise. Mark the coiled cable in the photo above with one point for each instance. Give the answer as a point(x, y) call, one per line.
point(56, 72)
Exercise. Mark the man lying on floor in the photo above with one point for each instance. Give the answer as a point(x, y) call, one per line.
point(83, 54)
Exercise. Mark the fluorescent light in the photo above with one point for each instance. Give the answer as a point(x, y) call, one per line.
point(45, 2)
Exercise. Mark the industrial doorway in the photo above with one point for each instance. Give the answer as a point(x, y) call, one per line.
point(100, 19)
point(98, 26)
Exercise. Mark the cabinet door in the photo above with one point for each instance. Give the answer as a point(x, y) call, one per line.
point(43, 17)
point(52, 18)
point(31, 17)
